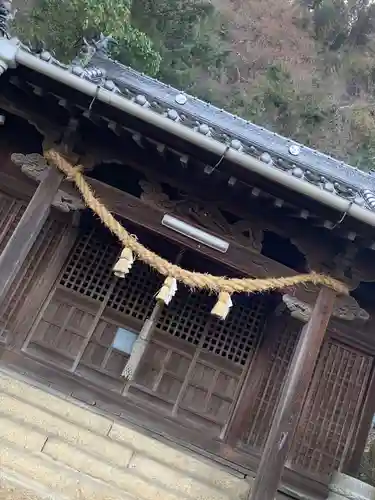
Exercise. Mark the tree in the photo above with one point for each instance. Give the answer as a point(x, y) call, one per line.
point(303, 68)
point(61, 26)
point(367, 467)
point(190, 36)
point(339, 23)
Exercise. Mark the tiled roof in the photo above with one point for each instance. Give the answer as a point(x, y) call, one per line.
point(275, 151)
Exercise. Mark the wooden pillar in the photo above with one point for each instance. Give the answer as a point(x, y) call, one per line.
point(27, 230)
point(145, 337)
point(292, 398)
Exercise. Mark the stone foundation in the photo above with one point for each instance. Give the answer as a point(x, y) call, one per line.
point(344, 487)
point(52, 447)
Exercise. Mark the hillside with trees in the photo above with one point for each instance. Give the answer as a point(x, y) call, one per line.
point(305, 69)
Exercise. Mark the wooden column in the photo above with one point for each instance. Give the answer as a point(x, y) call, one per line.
point(292, 398)
point(27, 230)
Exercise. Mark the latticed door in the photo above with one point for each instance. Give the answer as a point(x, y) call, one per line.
point(194, 366)
point(332, 405)
point(332, 408)
point(282, 341)
point(79, 320)
point(11, 211)
point(195, 363)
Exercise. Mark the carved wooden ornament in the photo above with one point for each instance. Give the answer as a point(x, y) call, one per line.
point(204, 214)
point(35, 167)
point(346, 308)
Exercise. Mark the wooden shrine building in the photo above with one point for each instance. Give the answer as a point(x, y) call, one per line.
point(214, 194)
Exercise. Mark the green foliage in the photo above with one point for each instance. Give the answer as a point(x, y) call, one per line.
point(331, 23)
point(367, 467)
point(189, 35)
point(63, 25)
point(339, 23)
point(303, 68)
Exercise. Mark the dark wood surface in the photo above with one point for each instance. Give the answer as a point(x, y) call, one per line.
point(109, 403)
point(356, 443)
point(291, 399)
point(43, 285)
point(331, 410)
point(142, 393)
point(121, 204)
point(27, 230)
point(252, 383)
point(239, 258)
point(92, 387)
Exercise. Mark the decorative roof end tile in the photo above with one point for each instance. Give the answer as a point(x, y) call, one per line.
point(94, 64)
point(294, 149)
point(6, 16)
point(369, 198)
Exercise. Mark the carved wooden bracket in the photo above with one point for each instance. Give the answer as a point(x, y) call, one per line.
point(346, 308)
point(204, 214)
point(35, 167)
point(348, 265)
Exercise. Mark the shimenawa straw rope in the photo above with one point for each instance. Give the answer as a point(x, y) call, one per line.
point(222, 286)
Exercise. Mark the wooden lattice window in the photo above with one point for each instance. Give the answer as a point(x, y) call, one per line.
point(89, 273)
point(36, 261)
point(194, 365)
point(89, 305)
point(331, 409)
point(88, 270)
point(262, 412)
point(129, 302)
point(236, 338)
point(135, 295)
point(198, 375)
point(187, 316)
point(11, 211)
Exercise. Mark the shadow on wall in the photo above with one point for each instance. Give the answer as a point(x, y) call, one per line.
point(284, 251)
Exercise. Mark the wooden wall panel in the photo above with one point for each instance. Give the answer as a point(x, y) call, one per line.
point(331, 409)
point(200, 370)
point(11, 211)
point(63, 325)
point(195, 364)
point(194, 368)
point(262, 412)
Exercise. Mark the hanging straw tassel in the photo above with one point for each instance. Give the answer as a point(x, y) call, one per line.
point(167, 291)
point(222, 306)
point(138, 350)
point(124, 263)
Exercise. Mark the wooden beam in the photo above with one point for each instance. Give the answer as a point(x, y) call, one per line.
point(30, 111)
point(27, 230)
point(239, 258)
point(292, 399)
